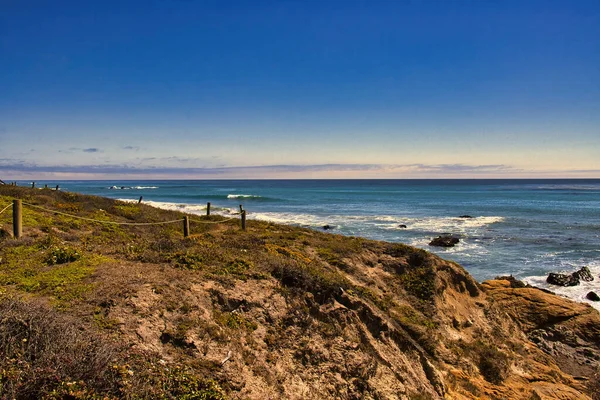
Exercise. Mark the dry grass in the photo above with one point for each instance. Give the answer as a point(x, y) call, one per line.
point(43, 353)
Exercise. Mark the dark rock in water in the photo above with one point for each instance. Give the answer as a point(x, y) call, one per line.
point(592, 296)
point(562, 279)
point(584, 274)
point(401, 226)
point(465, 216)
point(327, 227)
point(573, 279)
point(444, 241)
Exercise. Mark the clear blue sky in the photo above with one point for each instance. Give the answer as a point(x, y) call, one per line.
point(299, 89)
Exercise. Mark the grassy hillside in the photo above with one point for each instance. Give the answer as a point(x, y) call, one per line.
point(93, 309)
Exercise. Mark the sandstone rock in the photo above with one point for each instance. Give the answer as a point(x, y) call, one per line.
point(565, 330)
point(444, 241)
point(592, 296)
point(514, 282)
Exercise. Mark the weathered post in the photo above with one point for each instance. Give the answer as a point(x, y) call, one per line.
point(186, 226)
point(46, 186)
point(17, 219)
point(208, 208)
point(33, 185)
point(140, 200)
point(241, 208)
point(57, 187)
point(243, 220)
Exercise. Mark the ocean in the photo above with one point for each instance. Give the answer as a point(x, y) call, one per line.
point(524, 228)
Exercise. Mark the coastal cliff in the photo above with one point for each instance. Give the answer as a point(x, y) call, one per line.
point(92, 309)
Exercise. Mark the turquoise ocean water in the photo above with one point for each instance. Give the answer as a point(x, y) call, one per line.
point(526, 228)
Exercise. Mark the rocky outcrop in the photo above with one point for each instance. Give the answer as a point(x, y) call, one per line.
point(562, 279)
point(573, 279)
point(444, 241)
point(584, 274)
point(569, 332)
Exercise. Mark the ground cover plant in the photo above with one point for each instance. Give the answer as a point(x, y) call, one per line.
point(94, 308)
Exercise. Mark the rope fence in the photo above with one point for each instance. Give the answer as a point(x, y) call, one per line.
point(18, 220)
point(104, 222)
point(5, 208)
point(212, 222)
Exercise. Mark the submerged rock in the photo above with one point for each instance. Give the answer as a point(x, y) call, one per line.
point(592, 296)
point(444, 241)
point(327, 227)
point(465, 216)
point(402, 226)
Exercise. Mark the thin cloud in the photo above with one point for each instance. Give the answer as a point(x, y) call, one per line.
point(115, 169)
point(72, 150)
point(462, 168)
point(133, 148)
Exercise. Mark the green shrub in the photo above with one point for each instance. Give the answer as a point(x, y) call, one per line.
point(62, 255)
point(186, 261)
point(493, 364)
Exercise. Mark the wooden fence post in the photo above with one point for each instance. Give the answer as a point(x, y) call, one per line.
point(244, 220)
point(241, 208)
point(208, 208)
point(186, 226)
point(17, 219)
point(33, 185)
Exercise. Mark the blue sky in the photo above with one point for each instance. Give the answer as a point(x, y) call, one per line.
point(299, 89)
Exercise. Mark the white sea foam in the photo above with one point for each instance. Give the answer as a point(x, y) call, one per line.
point(240, 196)
point(450, 224)
point(132, 187)
point(198, 209)
point(383, 222)
point(576, 293)
point(290, 218)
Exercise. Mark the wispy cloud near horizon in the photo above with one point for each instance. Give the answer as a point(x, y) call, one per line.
point(14, 169)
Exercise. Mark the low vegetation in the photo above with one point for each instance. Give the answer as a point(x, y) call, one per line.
point(97, 309)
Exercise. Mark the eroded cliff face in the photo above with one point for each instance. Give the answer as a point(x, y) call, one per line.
point(409, 326)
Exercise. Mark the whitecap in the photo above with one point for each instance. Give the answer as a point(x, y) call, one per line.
point(238, 196)
point(576, 293)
